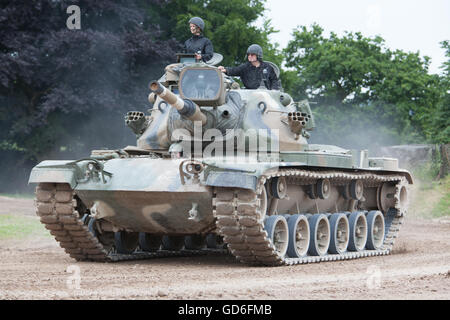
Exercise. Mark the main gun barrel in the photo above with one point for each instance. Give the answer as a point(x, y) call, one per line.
point(185, 107)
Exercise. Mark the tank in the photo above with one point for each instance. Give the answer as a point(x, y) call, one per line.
point(219, 169)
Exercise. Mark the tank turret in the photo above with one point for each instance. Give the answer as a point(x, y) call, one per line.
point(201, 92)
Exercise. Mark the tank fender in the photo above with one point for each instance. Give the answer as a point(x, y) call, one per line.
point(54, 172)
point(401, 172)
point(241, 174)
point(248, 179)
point(232, 179)
point(408, 177)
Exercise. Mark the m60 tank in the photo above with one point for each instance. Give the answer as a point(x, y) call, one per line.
point(220, 168)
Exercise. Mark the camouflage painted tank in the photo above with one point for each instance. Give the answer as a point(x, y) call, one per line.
point(217, 167)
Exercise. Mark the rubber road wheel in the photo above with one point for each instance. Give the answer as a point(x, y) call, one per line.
point(126, 242)
point(172, 243)
point(319, 227)
point(194, 242)
point(149, 242)
point(299, 236)
point(358, 231)
point(340, 230)
point(214, 241)
point(375, 230)
point(277, 229)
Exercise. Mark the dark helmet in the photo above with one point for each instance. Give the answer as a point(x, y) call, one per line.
point(255, 49)
point(198, 22)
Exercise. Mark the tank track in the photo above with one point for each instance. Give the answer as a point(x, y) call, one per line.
point(239, 219)
point(57, 209)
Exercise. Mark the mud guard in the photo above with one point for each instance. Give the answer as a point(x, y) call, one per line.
point(54, 172)
point(232, 179)
point(248, 180)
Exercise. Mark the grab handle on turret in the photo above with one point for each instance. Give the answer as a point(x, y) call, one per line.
point(185, 107)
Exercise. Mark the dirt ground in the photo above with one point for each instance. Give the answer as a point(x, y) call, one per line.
point(37, 268)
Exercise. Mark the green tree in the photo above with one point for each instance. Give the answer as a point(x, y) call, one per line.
point(361, 76)
point(64, 92)
point(335, 69)
point(440, 123)
point(229, 24)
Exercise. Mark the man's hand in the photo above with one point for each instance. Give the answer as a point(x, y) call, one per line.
point(198, 56)
point(221, 68)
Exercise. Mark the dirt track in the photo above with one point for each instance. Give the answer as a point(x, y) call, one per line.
point(419, 268)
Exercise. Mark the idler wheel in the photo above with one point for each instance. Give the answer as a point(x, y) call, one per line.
point(358, 231)
point(375, 226)
point(340, 230)
point(386, 196)
point(277, 229)
point(172, 243)
point(126, 242)
point(194, 242)
point(320, 235)
point(298, 236)
point(323, 188)
point(402, 198)
point(149, 242)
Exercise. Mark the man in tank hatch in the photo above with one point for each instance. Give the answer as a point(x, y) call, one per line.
point(255, 71)
point(198, 44)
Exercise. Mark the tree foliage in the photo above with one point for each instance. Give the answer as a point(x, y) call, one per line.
point(64, 92)
point(53, 81)
point(440, 123)
point(361, 76)
point(229, 24)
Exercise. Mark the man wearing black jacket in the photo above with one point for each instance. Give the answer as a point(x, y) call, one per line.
point(255, 71)
point(198, 44)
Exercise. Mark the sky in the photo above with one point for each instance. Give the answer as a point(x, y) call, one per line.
point(408, 25)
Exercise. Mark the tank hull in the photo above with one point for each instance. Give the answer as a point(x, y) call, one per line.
point(155, 212)
point(146, 195)
point(220, 196)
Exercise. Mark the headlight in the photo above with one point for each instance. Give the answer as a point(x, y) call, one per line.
point(204, 86)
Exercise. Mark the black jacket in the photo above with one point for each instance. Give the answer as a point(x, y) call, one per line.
point(199, 43)
point(252, 76)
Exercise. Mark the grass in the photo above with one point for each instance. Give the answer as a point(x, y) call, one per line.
point(430, 198)
point(20, 227)
point(18, 195)
point(442, 208)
